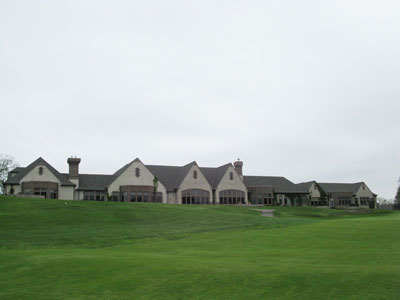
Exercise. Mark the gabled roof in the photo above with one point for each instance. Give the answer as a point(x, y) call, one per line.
point(167, 175)
point(172, 176)
point(305, 186)
point(342, 187)
point(120, 171)
point(183, 172)
point(215, 175)
point(280, 184)
point(21, 172)
point(337, 187)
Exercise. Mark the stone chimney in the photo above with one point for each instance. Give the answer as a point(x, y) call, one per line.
point(239, 167)
point(73, 167)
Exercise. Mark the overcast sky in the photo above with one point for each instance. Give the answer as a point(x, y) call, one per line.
point(309, 90)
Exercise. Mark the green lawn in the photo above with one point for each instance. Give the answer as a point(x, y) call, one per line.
point(53, 249)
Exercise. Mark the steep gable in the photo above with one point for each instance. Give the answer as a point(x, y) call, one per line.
point(21, 173)
point(134, 173)
point(186, 179)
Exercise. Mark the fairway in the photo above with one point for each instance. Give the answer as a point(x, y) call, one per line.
point(54, 249)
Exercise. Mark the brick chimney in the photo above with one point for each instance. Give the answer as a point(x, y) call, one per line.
point(239, 167)
point(73, 167)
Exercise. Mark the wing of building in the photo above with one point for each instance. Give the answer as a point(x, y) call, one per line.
point(188, 184)
point(339, 194)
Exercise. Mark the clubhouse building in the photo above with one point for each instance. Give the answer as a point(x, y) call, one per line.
point(188, 184)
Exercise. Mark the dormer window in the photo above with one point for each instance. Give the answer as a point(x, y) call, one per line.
point(195, 174)
point(137, 172)
point(231, 175)
point(40, 170)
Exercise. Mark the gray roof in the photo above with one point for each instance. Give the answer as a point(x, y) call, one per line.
point(21, 172)
point(305, 186)
point(170, 176)
point(96, 182)
point(340, 187)
point(215, 175)
point(167, 175)
point(280, 184)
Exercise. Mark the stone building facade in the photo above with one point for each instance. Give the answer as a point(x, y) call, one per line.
point(188, 184)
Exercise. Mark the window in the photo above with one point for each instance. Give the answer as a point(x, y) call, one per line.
point(53, 193)
point(145, 197)
point(159, 197)
point(364, 200)
point(40, 192)
point(99, 196)
point(195, 174)
point(137, 172)
point(232, 197)
point(40, 170)
point(231, 175)
point(195, 196)
point(89, 195)
point(27, 191)
point(115, 196)
point(344, 200)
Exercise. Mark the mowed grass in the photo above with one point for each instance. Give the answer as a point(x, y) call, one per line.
point(53, 249)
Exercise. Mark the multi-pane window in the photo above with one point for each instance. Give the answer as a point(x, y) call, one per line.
point(27, 191)
point(145, 197)
point(262, 199)
point(115, 196)
point(88, 195)
point(195, 174)
point(344, 200)
point(94, 195)
point(159, 197)
point(195, 196)
point(40, 192)
point(364, 200)
point(231, 197)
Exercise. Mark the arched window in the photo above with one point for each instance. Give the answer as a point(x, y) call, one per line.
point(195, 196)
point(40, 170)
point(231, 197)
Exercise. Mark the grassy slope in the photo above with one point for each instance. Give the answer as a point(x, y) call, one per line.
point(91, 250)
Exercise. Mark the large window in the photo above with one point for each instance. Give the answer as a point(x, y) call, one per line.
point(262, 199)
point(115, 196)
point(344, 200)
point(195, 196)
point(364, 200)
point(43, 189)
point(231, 197)
point(40, 192)
point(94, 195)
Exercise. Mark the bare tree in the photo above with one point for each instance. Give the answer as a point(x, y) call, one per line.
point(7, 163)
point(397, 198)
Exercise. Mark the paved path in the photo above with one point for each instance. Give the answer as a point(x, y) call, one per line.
point(266, 212)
